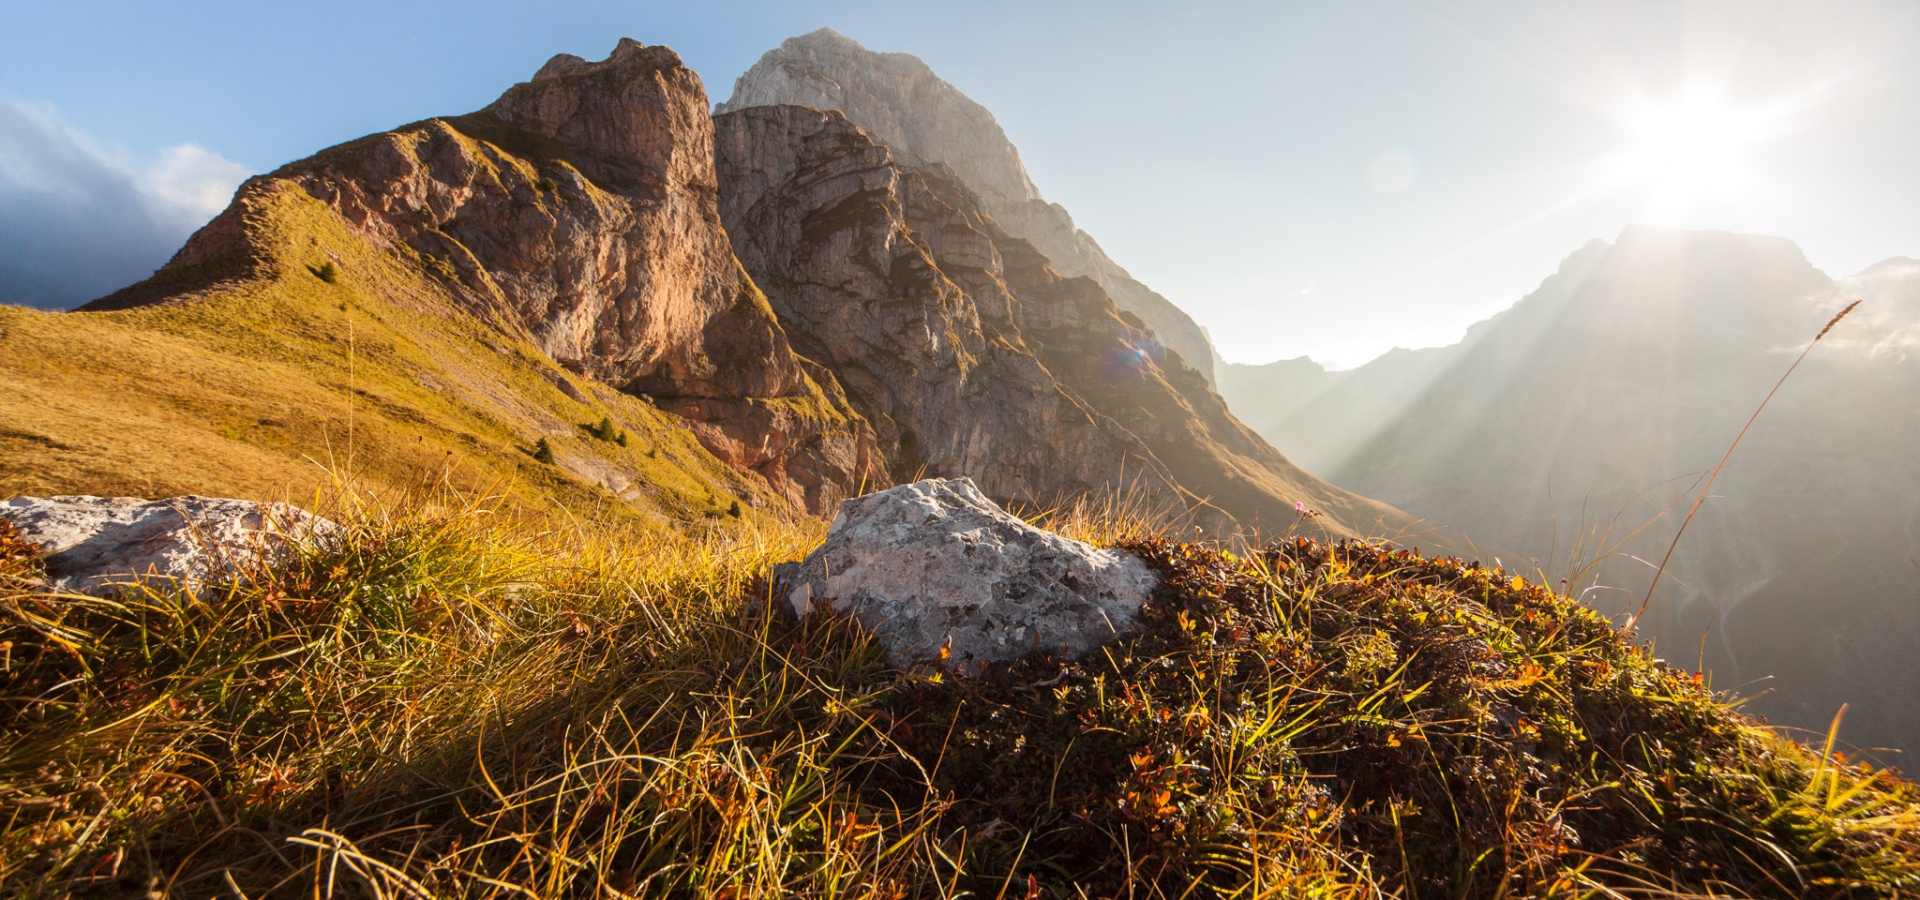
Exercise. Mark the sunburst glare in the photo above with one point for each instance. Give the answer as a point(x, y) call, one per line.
point(1695, 148)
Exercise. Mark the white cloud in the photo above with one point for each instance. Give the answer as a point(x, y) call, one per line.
point(78, 222)
point(191, 184)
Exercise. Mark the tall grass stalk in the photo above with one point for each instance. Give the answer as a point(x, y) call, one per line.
point(1715, 474)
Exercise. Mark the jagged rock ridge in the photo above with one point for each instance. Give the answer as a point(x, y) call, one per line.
point(966, 351)
point(928, 123)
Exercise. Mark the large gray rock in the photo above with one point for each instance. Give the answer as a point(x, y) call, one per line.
point(94, 545)
point(944, 576)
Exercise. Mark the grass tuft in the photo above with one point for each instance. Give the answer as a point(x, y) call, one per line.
point(20, 561)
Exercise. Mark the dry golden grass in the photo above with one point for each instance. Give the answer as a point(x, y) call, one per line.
point(266, 385)
point(455, 700)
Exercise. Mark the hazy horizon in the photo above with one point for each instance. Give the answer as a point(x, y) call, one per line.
point(1320, 181)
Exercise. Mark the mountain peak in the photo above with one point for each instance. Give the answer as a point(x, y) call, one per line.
point(640, 111)
point(895, 97)
point(928, 123)
point(628, 54)
point(825, 38)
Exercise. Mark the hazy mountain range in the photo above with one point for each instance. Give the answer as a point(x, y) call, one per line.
point(1599, 399)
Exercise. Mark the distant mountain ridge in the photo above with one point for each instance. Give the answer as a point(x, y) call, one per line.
point(1609, 389)
point(928, 122)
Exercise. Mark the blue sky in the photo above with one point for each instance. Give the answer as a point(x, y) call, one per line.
point(1329, 179)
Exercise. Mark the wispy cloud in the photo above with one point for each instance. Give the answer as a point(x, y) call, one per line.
point(77, 222)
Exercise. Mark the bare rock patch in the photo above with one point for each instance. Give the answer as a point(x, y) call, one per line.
point(944, 576)
point(94, 545)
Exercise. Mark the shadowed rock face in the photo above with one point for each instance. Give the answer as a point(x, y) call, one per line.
point(929, 123)
point(580, 209)
point(967, 352)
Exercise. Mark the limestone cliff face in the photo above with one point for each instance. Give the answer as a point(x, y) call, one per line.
point(964, 348)
point(929, 123)
point(581, 210)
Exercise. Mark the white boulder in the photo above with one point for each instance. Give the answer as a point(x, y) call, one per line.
point(944, 576)
point(94, 544)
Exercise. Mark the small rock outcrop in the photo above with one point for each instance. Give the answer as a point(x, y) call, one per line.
point(929, 123)
point(94, 545)
point(945, 577)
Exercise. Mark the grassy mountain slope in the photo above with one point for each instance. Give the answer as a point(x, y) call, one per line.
point(324, 356)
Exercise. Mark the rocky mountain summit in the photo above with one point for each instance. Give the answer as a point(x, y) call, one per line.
point(967, 353)
point(815, 312)
point(929, 123)
point(580, 210)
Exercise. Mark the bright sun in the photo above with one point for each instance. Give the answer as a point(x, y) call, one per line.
point(1694, 147)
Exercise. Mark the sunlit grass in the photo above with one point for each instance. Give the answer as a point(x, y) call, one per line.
point(448, 699)
point(265, 387)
